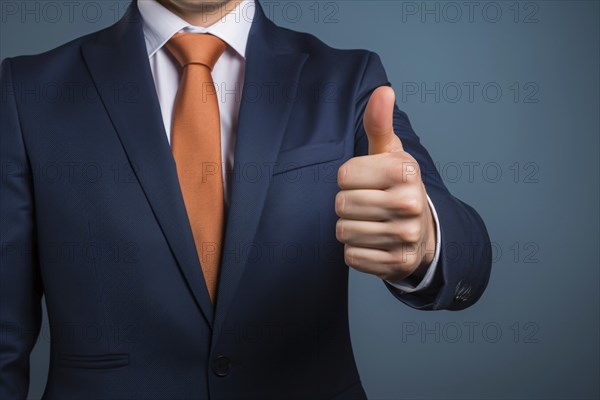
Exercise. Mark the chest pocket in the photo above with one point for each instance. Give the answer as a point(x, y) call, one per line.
point(307, 155)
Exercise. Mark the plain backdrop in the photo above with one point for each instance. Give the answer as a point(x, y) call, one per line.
point(505, 96)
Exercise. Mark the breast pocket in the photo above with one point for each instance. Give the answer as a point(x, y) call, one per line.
point(307, 155)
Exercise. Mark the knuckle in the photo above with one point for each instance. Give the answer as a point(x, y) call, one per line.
point(406, 205)
point(396, 204)
point(413, 205)
point(406, 232)
point(411, 232)
point(397, 231)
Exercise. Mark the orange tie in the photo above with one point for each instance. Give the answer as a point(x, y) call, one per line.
point(196, 146)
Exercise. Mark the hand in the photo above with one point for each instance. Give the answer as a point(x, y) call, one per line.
point(385, 221)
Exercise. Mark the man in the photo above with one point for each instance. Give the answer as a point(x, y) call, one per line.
point(200, 281)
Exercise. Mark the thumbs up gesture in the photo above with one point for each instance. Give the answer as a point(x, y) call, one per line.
point(385, 222)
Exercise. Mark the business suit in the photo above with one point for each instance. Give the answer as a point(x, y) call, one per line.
point(279, 328)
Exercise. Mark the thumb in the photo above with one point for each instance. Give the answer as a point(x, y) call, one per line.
point(379, 122)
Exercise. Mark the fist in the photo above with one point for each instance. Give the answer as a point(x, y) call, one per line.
point(385, 222)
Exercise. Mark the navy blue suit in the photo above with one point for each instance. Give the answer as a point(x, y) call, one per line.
point(93, 219)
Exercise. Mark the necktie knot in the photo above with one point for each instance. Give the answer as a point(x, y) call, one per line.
point(194, 48)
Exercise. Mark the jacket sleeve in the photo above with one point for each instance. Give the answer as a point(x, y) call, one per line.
point(465, 257)
point(20, 282)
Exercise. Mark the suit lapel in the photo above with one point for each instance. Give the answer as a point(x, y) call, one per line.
point(273, 71)
point(118, 63)
point(118, 59)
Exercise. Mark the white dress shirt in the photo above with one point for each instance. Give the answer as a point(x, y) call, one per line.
point(160, 25)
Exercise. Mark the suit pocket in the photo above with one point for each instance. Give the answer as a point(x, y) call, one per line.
point(307, 155)
point(99, 361)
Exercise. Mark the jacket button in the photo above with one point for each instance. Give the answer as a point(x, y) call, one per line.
point(221, 366)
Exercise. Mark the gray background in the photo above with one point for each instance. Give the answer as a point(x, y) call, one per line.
point(521, 147)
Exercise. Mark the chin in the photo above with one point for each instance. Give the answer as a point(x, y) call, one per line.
point(191, 5)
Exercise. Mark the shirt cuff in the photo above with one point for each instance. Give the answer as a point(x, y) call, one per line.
point(403, 285)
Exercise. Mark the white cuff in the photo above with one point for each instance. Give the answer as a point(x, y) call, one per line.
point(406, 287)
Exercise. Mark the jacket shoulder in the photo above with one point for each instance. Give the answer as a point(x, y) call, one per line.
point(48, 64)
point(359, 69)
point(315, 47)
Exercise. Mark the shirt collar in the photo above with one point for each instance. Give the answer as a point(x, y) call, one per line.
point(161, 24)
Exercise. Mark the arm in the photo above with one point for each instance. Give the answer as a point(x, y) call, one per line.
point(464, 263)
point(20, 282)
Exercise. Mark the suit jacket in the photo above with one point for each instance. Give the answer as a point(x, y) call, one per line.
point(93, 219)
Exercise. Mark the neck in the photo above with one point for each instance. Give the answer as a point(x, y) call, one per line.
point(200, 13)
